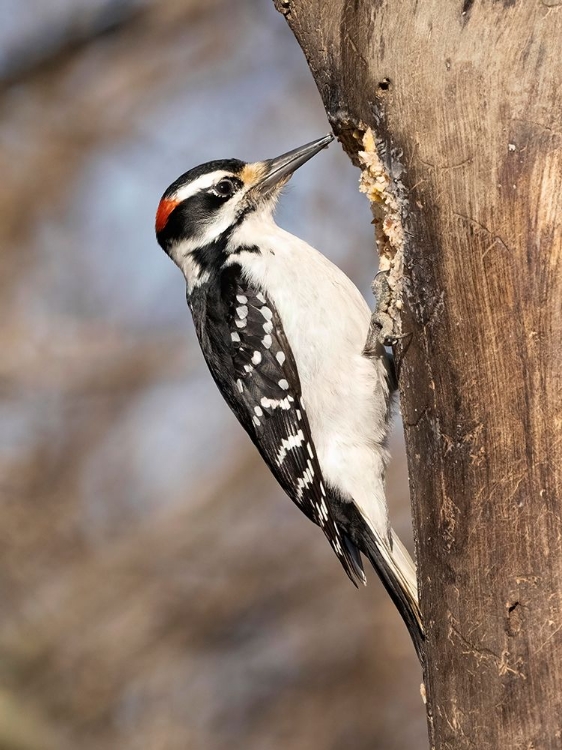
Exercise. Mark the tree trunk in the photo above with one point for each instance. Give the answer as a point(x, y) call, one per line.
point(452, 109)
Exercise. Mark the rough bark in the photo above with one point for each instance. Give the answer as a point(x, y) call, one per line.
point(452, 110)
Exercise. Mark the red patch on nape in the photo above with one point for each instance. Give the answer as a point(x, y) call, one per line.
point(165, 208)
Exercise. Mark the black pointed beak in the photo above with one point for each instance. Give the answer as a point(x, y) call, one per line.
point(277, 171)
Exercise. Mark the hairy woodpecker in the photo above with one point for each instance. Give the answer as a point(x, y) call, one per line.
point(282, 330)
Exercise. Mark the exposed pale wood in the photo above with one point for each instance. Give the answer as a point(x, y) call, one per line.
point(466, 96)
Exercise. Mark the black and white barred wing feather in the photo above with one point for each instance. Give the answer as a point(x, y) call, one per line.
point(268, 402)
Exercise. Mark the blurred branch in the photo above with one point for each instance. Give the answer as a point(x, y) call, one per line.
point(52, 46)
point(90, 359)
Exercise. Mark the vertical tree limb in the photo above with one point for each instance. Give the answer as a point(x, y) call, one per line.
point(452, 110)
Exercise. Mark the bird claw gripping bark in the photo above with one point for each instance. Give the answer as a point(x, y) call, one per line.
point(382, 330)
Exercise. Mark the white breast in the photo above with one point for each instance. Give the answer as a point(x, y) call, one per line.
point(326, 321)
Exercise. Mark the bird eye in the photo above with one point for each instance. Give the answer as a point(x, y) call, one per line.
point(224, 189)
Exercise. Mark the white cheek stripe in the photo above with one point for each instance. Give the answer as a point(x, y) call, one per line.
point(201, 183)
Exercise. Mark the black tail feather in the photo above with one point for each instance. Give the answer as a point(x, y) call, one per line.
point(405, 602)
point(389, 558)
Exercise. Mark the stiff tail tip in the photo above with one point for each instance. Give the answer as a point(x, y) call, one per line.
point(397, 572)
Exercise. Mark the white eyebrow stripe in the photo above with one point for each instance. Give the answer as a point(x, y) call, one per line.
point(201, 183)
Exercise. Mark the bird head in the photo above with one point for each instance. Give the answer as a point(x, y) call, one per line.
point(203, 206)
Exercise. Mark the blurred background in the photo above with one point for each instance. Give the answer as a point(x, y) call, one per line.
point(157, 589)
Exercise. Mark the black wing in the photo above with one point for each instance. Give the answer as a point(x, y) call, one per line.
point(252, 362)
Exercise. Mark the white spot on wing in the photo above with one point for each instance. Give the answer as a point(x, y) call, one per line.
point(241, 298)
point(284, 384)
point(272, 403)
point(260, 297)
point(256, 358)
point(268, 326)
point(266, 312)
point(306, 480)
point(293, 441)
point(280, 357)
point(242, 311)
point(267, 341)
